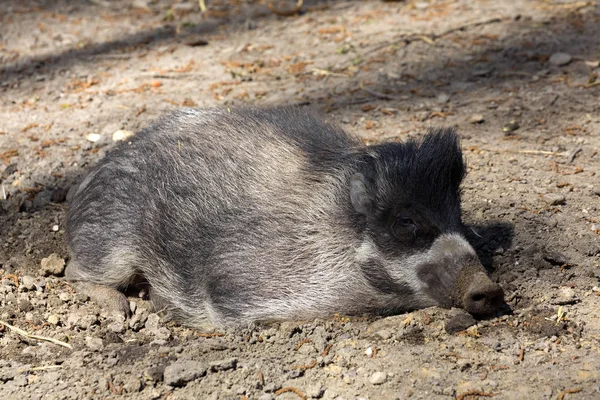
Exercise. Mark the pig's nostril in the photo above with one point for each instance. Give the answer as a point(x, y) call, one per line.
point(477, 297)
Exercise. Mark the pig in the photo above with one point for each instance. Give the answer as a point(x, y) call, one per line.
point(243, 215)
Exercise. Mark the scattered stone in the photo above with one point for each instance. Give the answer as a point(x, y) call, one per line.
point(554, 199)
point(162, 333)
point(566, 296)
point(20, 380)
point(93, 137)
point(560, 59)
point(476, 119)
point(28, 282)
point(52, 265)
point(369, 352)
point(510, 127)
point(443, 98)
point(194, 40)
point(121, 135)
point(378, 378)
point(181, 372)
point(593, 63)
point(459, 322)
point(94, 343)
point(223, 365)
point(112, 337)
point(64, 296)
point(53, 319)
point(24, 305)
point(384, 334)
point(81, 320)
point(138, 320)
point(315, 391)
point(131, 384)
point(483, 70)
point(153, 322)
point(81, 297)
point(117, 327)
point(154, 374)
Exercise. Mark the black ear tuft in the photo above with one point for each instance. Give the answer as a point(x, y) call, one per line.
point(441, 148)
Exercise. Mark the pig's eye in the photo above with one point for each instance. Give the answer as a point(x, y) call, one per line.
point(404, 228)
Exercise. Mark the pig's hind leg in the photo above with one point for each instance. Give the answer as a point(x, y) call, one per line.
point(100, 284)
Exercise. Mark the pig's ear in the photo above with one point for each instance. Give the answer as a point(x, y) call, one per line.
point(359, 194)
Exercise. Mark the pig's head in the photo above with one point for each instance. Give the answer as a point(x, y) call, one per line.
point(407, 201)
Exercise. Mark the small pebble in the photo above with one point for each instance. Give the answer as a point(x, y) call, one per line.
point(52, 265)
point(476, 119)
point(194, 40)
point(28, 282)
point(443, 98)
point(181, 372)
point(384, 334)
point(554, 199)
point(459, 322)
point(94, 343)
point(560, 59)
point(93, 137)
point(121, 135)
point(510, 127)
point(593, 63)
point(54, 228)
point(24, 305)
point(223, 365)
point(117, 327)
point(53, 319)
point(378, 378)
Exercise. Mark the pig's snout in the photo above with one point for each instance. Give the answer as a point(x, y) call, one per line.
point(482, 297)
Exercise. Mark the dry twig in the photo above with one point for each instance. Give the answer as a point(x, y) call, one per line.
point(430, 39)
point(37, 337)
point(474, 393)
point(290, 389)
point(562, 394)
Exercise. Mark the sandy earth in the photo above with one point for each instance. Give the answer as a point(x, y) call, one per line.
point(519, 79)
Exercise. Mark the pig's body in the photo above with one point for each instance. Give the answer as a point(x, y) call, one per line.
point(234, 217)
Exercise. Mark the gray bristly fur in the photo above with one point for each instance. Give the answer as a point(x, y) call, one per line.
point(234, 216)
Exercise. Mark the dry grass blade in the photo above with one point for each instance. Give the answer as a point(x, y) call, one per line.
point(562, 394)
point(36, 337)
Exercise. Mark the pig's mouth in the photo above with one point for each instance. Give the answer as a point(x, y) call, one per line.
point(473, 291)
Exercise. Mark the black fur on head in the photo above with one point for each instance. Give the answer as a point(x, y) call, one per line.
point(412, 189)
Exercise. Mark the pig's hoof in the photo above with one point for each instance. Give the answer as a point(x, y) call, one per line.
point(106, 297)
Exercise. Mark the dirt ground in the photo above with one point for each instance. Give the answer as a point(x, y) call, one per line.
point(519, 79)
